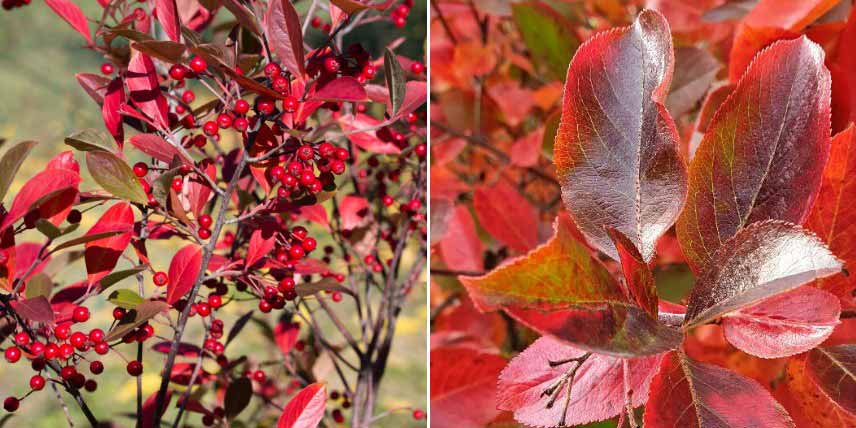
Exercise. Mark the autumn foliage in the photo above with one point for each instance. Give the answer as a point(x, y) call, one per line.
point(291, 192)
point(643, 214)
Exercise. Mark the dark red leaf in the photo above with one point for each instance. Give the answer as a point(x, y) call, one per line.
point(786, 89)
point(616, 150)
point(261, 244)
point(95, 85)
point(344, 88)
point(101, 255)
point(157, 147)
point(689, 394)
point(37, 309)
point(282, 25)
point(114, 97)
point(183, 271)
point(305, 409)
point(638, 279)
point(761, 261)
point(285, 334)
point(148, 416)
point(834, 370)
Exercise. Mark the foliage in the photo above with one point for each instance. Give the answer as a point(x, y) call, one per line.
point(696, 271)
point(249, 182)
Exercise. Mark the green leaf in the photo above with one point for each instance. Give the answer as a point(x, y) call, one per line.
point(48, 229)
point(548, 35)
point(90, 139)
point(136, 317)
point(127, 299)
point(114, 277)
point(238, 396)
point(162, 185)
point(11, 162)
point(39, 285)
point(115, 176)
point(395, 81)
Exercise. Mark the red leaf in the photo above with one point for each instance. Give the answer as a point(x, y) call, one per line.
point(142, 81)
point(638, 279)
point(763, 149)
point(261, 243)
point(596, 392)
point(183, 271)
point(197, 191)
point(833, 214)
point(55, 208)
point(314, 213)
point(342, 89)
point(806, 402)
point(94, 84)
point(285, 334)
point(305, 409)
point(148, 415)
point(463, 387)
point(310, 266)
point(783, 325)
point(833, 369)
point(689, 394)
point(354, 212)
point(26, 253)
point(616, 151)
point(101, 255)
point(156, 147)
point(167, 15)
point(282, 25)
point(37, 309)
point(793, 15)
point(748, 42)
point(113, 99)
point(516, 227)
point(43, 185)
point(72, 14)
point(561, 290)
point(461, 247)
point(367, 140)
point(527, 150)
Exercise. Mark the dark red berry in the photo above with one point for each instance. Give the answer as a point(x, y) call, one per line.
point(135, 368)
point(11, 404)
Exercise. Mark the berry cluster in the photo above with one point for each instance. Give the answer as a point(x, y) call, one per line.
point(400, 13)
point(12, 4)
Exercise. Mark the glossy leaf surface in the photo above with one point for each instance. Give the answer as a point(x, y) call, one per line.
point(305, 409)
point(834, 370)
point(616, 149)
point(183, 270)
point(762, 260)
point(282, 25)
point(101, 255)
point(775, 123)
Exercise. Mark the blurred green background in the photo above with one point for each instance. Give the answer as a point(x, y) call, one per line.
point(41, 100)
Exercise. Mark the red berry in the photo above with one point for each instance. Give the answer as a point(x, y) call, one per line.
point(37, 383)
point(13, 354)
point(51, 351)
point(337, 416)
point(387, 200)
point(178, 72)
point(90, 385)
point(102, 348)
point(205, 221)
point(10, 404)
point(22, 339)
point(331, 65)
point(280, 84)
point(315, 22)
point(62, 331)
point(188, 96)
point(421, 150)
point(305, 152)
point(78, 340)
point(177, 184)
point(198, 64)
point(342, 154)
point(135, 368)
point(369, 71)
point(203, 309)
point(160, 278)
point(96, 367)
point(337, 296)
point(241, 124)
point(272, 70)
point(141, 169)
point(204, 233)
point(265, 306)
point(296, 252)
point(224, 120)
point(107, 69)
point(67, 372)
point(290, 104)
point(287, 284)
point(417, 68)
point(309, 244)
point(418, 414)
point(241, 107)
point(215, 301)
point(119, 313)
point(96, 335)
point(265, 106)
point(259, 376)
point(399, 21)
point(80, 314)
point(210, 128)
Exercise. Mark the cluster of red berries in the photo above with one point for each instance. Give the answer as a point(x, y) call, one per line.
point(295, 171)
point(61, 345)
point(141, 169)
point(139, 334)
point(316, 22)
point(11, 4)
point(400, 13)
